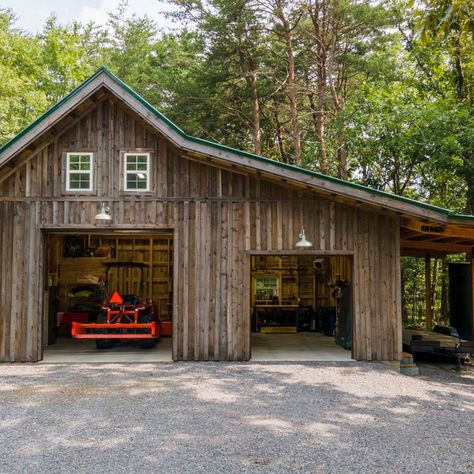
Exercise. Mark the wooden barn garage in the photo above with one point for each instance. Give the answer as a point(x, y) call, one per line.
point(215, 228)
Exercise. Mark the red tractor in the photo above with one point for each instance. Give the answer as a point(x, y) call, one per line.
point(123, 316)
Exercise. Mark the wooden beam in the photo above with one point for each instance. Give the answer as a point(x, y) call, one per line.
point(421, 253)
point(436, 229)
point(428, 296)
point(452, 240)
point(5, 171)
point(447, 248)
point(407, 233)
point(132, 228)
point(302, 252)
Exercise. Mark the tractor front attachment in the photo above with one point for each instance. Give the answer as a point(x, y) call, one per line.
point(114, 331)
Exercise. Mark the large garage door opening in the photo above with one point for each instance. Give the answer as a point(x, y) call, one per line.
point(108, 297)
point(301, 307)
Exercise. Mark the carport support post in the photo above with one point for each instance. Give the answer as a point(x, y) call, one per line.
point(428, 309)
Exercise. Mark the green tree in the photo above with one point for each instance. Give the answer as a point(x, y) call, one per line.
point(443, 31)
point(69, 54)
point(232, 36)
point(20, 99)
point(441, 17)
point(131, 48)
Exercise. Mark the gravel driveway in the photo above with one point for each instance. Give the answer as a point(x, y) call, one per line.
point(224, 417)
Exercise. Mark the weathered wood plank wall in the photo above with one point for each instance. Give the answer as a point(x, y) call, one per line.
point(218, 217)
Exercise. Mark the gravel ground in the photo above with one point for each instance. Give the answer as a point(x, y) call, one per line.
point(225, 417)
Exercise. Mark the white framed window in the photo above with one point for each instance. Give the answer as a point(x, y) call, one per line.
point(79, 171)
point(136, 172)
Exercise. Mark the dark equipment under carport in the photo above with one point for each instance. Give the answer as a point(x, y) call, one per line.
point(460, 298)
point(440, 345)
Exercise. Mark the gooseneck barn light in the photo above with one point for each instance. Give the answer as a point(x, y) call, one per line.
point(303, 243)
point(104, 214)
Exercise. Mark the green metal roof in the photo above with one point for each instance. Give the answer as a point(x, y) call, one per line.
point(285, 166)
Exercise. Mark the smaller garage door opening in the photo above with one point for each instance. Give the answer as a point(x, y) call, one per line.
point(82, 272)
point(301, 307)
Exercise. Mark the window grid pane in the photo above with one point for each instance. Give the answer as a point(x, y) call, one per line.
point(137, 162)
point(80, 172)
point(79, 162)
point(135, 182)
point(136, 172)
point(79, 181)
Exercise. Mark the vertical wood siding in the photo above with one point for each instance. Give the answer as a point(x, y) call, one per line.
point(218, 217)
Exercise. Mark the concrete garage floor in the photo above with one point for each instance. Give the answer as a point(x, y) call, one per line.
point(265, 347)
point(304, 346)
point(83, 350)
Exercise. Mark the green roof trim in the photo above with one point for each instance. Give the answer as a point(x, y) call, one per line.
point(218, 146)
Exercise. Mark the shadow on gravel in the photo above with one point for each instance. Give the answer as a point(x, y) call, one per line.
point(233, 417)
point(447, 373)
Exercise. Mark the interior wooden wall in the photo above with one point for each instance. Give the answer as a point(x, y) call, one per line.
point(299, 281)
point(155, 250)
point(218, 217)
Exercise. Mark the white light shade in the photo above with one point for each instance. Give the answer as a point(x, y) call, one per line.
point(104, 214)
point(303, 243)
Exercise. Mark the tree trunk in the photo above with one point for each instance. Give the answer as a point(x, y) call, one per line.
point(317, 12)
point(291, 82)
point(318, 122)
point(342, 153)
point(404, 297)
point(397, 188)
point(251, 78)
point(459, 69)
point(336, 85)
point(470, 189)
point(281, 147)
point(414, 303)
point(434, 285)
point(444, 292)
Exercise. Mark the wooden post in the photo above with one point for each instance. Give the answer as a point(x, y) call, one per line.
point(428, 309)
point(471, 259)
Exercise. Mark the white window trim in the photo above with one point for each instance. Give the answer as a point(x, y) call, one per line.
point(70, 172)
point(127, 172)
